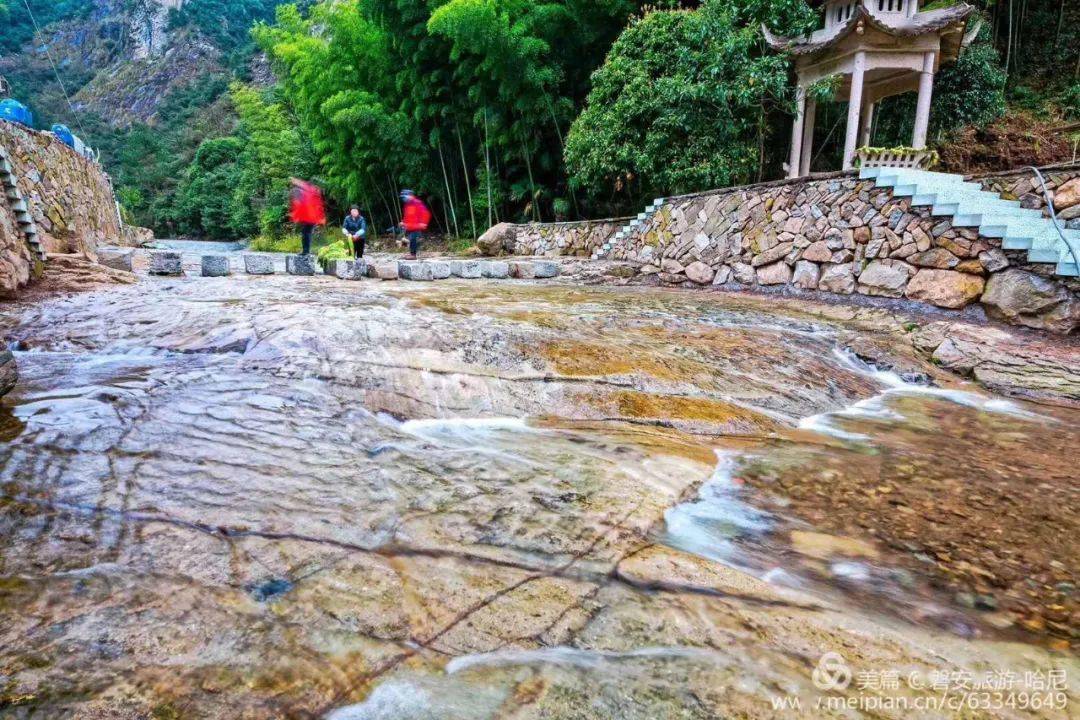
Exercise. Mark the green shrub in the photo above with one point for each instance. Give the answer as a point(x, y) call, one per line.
point(278, 244)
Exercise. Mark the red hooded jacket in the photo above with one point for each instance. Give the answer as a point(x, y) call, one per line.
point(306, 205)
point(417, 217)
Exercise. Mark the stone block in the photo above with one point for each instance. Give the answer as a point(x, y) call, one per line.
point(165, 262)
point(215, 266)
point(415, 271)
point(1023, 298)
point(383, 271)
point(775, 274)
point(806, 276)
point(466, 269)
point(259, 265)
point(495, 269)
point(351, 269)
point(700, 273)
point(885, 278)
point(116, 258)
point(305, 265)
point(546, 269)
point(945, 288)
point(838, 279)
point(440, 269)
point(522, 270)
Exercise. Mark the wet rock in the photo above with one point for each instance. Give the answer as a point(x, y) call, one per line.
point(778, 273)
point(258, 265)
point(837, 279)
point(620, 271)
point(269, 589)
point(495, 269)
point(700, 273)
point(886, 278)
point(440, 269)
point(9, 374)
point(215, 266)
point(546, 269)
point(1023, 298)
point(383, 271)
point(945, 288)
point(522, 270)
point(807, 275)
point(351, 269)
point(116, 258)
point(305, 265)
point(165, 262)
point(498, 240)
point(415, 271)
point(823, 547)
point(466, 269)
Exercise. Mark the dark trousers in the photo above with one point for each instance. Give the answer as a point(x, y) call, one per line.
point(414, 242)
point(306, 231)
point(358, 247)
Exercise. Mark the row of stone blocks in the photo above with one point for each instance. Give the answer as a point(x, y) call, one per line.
point(169, 263)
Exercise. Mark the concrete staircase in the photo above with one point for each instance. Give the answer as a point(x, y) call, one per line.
point(604, 250)
point(19, 207)
point(968, 205)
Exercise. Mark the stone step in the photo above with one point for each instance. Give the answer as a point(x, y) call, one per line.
point(1068, 269)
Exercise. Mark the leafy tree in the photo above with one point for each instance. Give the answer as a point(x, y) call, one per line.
point(678, 106)
point(205, 196)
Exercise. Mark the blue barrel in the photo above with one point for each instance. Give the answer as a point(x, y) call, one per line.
point(64, 135)
point(15, 111)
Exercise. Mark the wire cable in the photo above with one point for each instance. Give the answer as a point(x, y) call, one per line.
point(56, 73)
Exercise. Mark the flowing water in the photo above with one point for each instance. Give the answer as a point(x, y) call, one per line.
point(299, 497)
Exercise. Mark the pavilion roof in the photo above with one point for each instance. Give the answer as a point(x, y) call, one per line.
point(920, 24)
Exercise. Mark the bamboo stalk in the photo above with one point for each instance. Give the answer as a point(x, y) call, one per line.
point(468, 185)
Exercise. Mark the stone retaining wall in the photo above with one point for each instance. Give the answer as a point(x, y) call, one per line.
point(842, 235)
point(70, 198)
point(1063, 182)
point(567, 238)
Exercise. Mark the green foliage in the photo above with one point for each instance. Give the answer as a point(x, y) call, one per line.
point(17, 27)
point(277, 243)
point(678, 106)
point(969, 92)
point(334, 251)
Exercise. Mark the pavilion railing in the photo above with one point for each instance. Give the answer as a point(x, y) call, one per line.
point(903, 157)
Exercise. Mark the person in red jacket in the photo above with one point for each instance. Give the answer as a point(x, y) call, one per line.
point(415, 220)
point(306, 209)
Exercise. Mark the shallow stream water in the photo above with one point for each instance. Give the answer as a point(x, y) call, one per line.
point(300, 497)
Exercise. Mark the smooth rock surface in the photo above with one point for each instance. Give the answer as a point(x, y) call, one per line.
point(305, 265)
point(778, 273)
point(166, 262)
point(806, 276)
point(258, 265)
point(838, 279)
point(215, 266)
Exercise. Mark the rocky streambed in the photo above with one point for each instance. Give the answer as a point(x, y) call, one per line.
point(303, 497)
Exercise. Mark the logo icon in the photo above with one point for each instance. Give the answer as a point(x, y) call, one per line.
point(832, 673)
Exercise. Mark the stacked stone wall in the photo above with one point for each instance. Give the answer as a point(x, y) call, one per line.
point(567, 238)
point(69, 197)
point(1062, 182)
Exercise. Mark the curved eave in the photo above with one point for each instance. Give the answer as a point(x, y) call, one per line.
point(929, 22)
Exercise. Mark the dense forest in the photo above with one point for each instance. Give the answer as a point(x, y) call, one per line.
point(506, 109)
